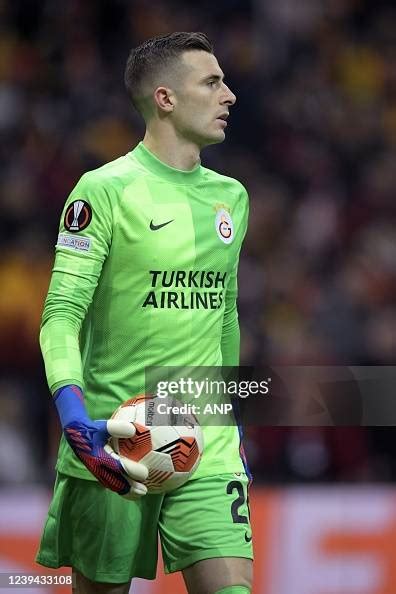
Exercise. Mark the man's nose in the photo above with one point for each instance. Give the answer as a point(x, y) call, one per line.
point(229, 97)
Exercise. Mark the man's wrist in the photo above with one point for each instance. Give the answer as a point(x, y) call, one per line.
point(69, 401)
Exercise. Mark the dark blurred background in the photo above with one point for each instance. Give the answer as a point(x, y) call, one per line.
point(312, 136)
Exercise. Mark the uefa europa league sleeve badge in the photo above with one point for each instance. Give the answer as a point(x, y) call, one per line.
point(78, 216)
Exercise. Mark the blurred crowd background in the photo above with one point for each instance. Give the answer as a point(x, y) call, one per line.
point(312, 136)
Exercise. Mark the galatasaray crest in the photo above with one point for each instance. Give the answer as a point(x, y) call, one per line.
point(224, 226)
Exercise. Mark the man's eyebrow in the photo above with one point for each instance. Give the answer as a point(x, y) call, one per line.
point(214, 77)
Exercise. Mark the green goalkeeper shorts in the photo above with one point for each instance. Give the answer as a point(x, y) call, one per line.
point(110, 539)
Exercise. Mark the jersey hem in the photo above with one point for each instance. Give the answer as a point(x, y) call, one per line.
point(214, 470)
point(218, 468)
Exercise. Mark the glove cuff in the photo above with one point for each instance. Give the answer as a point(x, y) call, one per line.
point(69, 401)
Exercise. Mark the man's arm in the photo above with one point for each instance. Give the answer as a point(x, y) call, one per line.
point(83, 245)
point(78, 264)
point(230, 339)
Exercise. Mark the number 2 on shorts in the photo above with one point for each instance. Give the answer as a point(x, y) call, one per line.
point(237, 486)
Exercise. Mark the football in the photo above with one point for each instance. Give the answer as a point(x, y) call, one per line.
point(170, 452)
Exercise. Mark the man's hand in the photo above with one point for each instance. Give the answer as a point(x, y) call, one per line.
point(88, 439)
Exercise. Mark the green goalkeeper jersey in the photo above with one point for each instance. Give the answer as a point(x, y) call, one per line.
point(145, 274)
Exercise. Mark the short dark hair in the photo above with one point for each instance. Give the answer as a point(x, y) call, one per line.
point(154, 56)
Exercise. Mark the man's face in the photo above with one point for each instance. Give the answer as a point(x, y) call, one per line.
point(202, 99)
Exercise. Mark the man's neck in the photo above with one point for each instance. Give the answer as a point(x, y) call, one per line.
point(173, 151)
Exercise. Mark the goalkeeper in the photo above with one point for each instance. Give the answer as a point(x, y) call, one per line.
point(145, 274)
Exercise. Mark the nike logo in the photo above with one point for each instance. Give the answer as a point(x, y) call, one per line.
point(156, 227)
point(247, 538)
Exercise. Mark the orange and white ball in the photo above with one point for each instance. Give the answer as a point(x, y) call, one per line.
point(170, 452)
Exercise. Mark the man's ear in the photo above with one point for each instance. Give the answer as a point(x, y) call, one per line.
point(164, 99)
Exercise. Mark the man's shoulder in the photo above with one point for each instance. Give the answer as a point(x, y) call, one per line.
point(115, 174)
point(229, 184)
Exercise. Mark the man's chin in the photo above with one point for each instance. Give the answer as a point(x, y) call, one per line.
point(214, 138)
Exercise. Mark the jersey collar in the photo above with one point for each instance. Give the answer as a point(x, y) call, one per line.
point(153, 164)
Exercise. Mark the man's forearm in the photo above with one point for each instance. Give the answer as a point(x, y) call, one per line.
point(230, 340)
point(61, 353)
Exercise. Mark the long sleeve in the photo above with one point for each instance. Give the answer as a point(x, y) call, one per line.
point(231, 336)
point(230, 339)
point(80, 254)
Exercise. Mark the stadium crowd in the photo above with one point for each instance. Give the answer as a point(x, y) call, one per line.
point(312, 136)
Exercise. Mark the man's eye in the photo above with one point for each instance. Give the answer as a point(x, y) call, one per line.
point(211, 83)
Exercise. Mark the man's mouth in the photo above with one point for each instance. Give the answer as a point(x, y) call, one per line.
point(222, 118)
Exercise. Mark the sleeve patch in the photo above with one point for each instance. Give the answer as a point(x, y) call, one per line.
point(78, 216)
point(76, 242)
